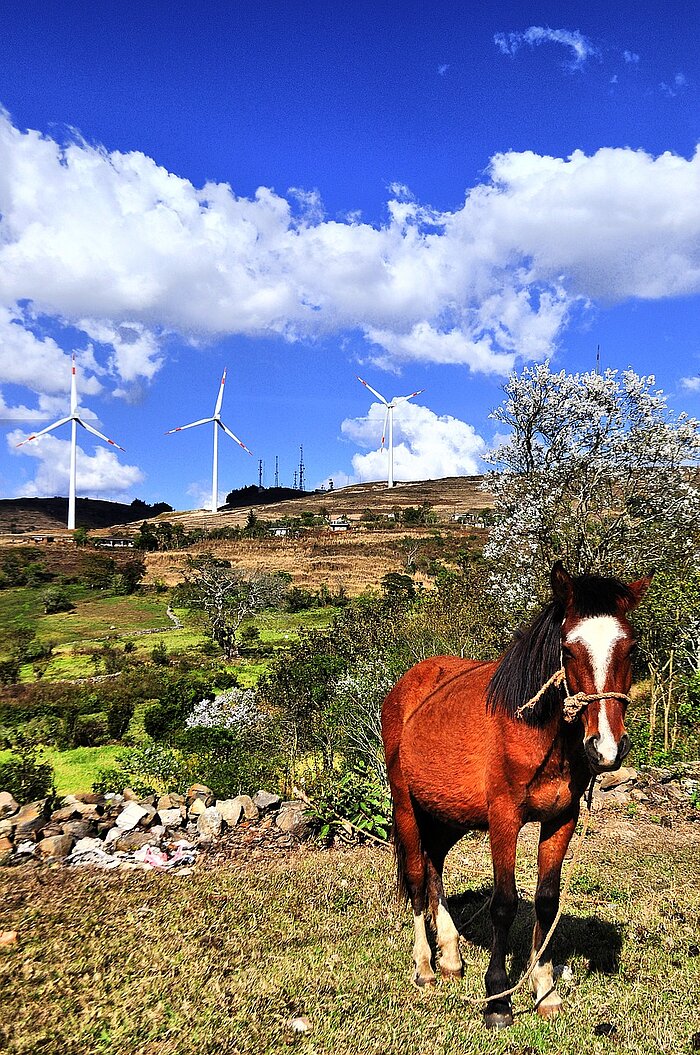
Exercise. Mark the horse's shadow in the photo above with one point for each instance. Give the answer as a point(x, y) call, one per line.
point(595, 939)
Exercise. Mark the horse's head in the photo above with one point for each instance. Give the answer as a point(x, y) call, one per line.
point(597, 643)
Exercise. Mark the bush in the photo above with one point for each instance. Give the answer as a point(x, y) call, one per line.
point(56, 599)
point(356, 796)
point(23, 775)
point(91, 730)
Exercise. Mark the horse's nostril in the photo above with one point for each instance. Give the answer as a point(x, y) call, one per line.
point(625, 746)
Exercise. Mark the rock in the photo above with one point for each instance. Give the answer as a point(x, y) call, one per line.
point(266, 800)
point(614, 780)
point(90, 798)
point(147, 801)
point(66, 813)
point(292, 818)
point(8, 806)
point(5, 850)
point(170, 818)
point(89, 811)
point(30, 819)
point(300, 1025)
point(78, 829)
point(56, 846)
point(112, 835)
point(164, 803)
point(200, 791)
point(148, 817)
point(130, 816)
point(8, 937)
point(7, 827)
point(51, 829)
point(250, 810)
point(209, 824)
point(197, 808)
point(130, 795)
point(176, 800)
point(230, 810)
point(133, 840)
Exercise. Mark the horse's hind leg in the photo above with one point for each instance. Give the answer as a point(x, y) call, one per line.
point(412, 880)
point(504, 825)
point(555, 837)
point(446, 931)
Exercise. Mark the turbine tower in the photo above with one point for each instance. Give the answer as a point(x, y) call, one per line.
point(218, 424)
point(75, 420)
point(389, 420)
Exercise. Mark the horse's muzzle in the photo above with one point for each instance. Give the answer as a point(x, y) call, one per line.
point(600, 765)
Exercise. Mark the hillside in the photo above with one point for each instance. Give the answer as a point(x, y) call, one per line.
point(20, 515)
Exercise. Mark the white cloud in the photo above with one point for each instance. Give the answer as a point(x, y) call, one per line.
point(630, 57)
point(427, 446)
point(678, 84)
point(126, 252)
point(691, 384)
point(200, 491)
point(579, 45)
point(99, 475)
point(443, 68)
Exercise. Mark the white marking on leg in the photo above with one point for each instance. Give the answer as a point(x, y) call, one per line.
point(448, 940)
point(421, 951)
point(547, 998)
point(599, 635)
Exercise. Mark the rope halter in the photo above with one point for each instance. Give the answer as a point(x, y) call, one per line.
point(573, 705)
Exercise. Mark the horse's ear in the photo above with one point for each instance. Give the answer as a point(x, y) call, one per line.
point(638, 589)
point(562, 583)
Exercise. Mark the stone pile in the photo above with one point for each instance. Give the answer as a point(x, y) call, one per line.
point(91, 828)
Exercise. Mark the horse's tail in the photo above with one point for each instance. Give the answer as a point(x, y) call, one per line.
point(402, 892)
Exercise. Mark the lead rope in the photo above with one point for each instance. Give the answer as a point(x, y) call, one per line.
point(573, 705)
point(550, 933)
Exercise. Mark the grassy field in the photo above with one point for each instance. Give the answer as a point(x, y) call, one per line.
point(222, 960)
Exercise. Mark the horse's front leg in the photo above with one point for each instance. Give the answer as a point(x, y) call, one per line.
point(555, 836)
point(504, 826)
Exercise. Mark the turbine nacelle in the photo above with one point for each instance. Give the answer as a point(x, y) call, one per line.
point(389, 421)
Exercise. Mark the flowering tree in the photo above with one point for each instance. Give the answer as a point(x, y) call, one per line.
point(595, 471)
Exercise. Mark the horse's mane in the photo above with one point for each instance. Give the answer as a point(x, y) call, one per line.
point(534, 654)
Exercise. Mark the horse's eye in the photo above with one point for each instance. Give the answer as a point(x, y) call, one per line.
point(567, 653)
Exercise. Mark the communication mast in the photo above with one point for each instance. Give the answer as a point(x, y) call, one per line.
point(260, 474)
point(277, 471)
point(301, 468)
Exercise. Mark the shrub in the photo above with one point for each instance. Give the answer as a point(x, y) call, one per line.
point(23, 775)
point(91, 730)
point(56, 599)
point(356, 796)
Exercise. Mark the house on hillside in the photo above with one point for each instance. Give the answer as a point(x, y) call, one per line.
point(114, 543)
point(338, 524)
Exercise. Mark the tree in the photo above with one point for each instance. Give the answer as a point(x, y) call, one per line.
point(227, 596)
point(595, 472)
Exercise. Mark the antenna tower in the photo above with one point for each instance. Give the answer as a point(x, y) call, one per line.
point(295, 479)
point(597, 360)
point(260, 474)
point(301, 468)
point(277, 470)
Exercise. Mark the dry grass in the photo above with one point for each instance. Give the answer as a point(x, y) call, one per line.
point(220, 961)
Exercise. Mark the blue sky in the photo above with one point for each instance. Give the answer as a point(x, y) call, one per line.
point(427, 194)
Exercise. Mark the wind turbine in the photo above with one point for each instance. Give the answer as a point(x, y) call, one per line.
point(218, 424)
point(75, 420)
point(389, 420)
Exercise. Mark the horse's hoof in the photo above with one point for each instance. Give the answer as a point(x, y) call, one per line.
point(498, 1019)
point(550, 1008)
point(452, 972)
point(424, 981)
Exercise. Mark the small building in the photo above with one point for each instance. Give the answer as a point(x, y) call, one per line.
point(114, 543)
point(338, 524)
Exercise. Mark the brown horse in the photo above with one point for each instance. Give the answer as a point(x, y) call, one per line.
point(473, 745)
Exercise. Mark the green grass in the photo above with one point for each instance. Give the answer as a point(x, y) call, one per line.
point(78, 768)
point(220, 961)
point(99, 617)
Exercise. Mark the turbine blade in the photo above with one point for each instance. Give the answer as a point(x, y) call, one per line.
point(202, 421)
point(73, 388)
point(402, 399)
point(372, 390)
point(386, 422)
point(49, 428)
point(220, 397)
point(95, 432)
point(233, 437)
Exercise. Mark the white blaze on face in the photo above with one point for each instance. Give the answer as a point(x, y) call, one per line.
point(599, 634)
